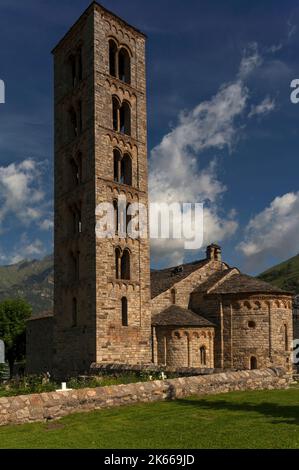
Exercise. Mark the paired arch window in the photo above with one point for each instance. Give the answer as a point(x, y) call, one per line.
point(119, 62)
point(121, 116)
point(116, 221)
point(76, 216)
point(122, 167)
point(203, 356)
point(124, 311)
point(75, 266)
point(122, 264)
point(76, 68)
point(76, 171)
point(122, 218)
point(75, 120)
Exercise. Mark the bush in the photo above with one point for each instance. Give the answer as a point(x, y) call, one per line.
point(4, 372)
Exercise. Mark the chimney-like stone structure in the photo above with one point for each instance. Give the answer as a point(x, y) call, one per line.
point(214, 252)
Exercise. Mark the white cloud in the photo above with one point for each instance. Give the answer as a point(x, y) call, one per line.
point(250, 61)
point(21, 192)
point(275, 48)
point(25, 249)
point(178, 175)
point(46, 224)
point(265, 107)
point(292, 29)
point(273, 231)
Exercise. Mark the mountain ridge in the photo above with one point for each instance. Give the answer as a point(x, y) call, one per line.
point(34, 280)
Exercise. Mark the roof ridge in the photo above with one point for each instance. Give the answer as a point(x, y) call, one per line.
point(227, 274)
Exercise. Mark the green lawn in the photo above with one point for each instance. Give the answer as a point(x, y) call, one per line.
point(261, 419)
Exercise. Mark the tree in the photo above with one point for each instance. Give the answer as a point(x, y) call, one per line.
point(13, 316)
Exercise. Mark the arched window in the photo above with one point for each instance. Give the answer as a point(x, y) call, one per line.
point(124, 66)
point(203, 356)
point(73, 123)
point(115, 113)
point(80, 118)
point(253, 363)
point(75, 173)
point(286, 338)
point(128, 219)
point(73, 70)
point(116, 163)
point(77, 220)
point(80, 65)
point(117, 263)
point(173, 294)
point(121, 116)
point(125, 118)
point(74, 312)
point(126, 170)
point(116, 223)
point(124, 311)
point(125, 265)
point(112, 58)
point(75, 266)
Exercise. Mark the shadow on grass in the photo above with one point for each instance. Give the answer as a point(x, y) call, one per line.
point(280, 413)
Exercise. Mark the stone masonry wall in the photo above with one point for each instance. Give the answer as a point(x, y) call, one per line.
point(180, 347)
point(47, 406)
point(185, 287)
point(249, 326)
point(115, 342)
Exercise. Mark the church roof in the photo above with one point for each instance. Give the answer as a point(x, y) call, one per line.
point(164, 279)
point(216, 277)
point(42, 315)
point(242, 283)
point(178, 316)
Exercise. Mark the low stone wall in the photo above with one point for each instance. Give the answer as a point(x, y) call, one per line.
point(53, 405)
point(117, 369)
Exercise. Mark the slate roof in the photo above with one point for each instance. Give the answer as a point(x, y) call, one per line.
point(164, 279)
point(42, 315)
point(212, 280)
point(242, 283)
point(178, 316)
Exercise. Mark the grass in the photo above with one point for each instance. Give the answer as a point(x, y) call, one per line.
point(254, 419)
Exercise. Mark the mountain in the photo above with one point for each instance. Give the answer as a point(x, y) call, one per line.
point(285, 275)
point(32, 280)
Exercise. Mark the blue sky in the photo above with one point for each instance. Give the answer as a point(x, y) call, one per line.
point(219, 73)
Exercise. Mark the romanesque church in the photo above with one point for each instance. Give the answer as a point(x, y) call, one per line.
point(109, 308)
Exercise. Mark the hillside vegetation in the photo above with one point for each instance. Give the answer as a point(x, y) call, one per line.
point(32, 280)
point(284, 275)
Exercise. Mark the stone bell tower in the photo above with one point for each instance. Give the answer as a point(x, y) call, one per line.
point(102, 285)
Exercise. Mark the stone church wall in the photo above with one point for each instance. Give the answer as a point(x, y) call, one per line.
point(180, 347)
point(184, 288)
